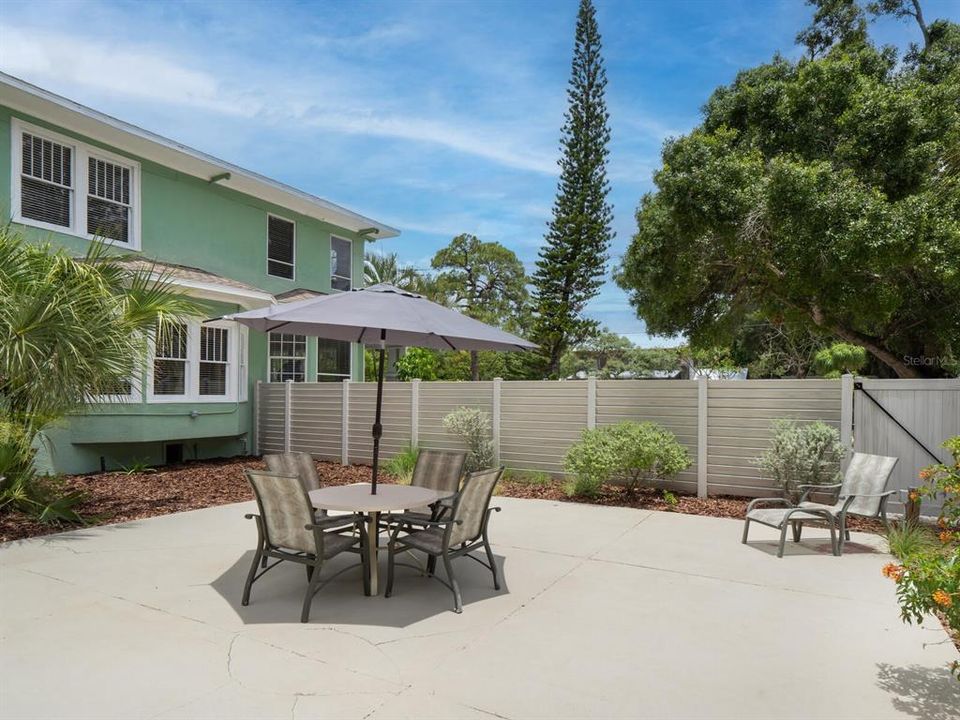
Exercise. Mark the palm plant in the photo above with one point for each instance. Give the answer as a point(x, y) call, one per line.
point(387, 269)
point(71, 329)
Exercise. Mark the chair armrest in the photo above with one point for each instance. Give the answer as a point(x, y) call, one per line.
point(812, 488)
point(404, 519)
point(772, 501)
point(250, 516)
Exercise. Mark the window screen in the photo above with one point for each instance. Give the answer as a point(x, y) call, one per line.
point(333, 360)
point(340, 264)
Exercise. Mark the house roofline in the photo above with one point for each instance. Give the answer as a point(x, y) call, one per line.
point(25, 97)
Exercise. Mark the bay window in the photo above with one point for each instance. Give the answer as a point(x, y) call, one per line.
point(197, 362)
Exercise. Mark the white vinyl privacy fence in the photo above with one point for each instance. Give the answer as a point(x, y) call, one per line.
point(723, 423)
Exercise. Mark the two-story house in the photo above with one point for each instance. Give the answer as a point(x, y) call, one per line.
point(231, 237)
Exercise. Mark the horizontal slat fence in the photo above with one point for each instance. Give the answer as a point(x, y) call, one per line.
point(724, 424)
point(739, 415)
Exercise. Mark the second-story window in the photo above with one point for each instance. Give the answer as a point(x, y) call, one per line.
point(46, 181)
point(108, 200)
point(341, 264)
point(69, 186)
point(281, 247)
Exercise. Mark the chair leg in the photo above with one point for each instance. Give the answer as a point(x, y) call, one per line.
point(797, 530)
point(492, 561)
point(263, 562)
point(783, 539)
point(312, 588)
point(448, 566)
point(364, 559)
point(844, 533)
point(746, 529)
point(252, 574)
point(391, 561)
point(309, 572)
point(833, 540)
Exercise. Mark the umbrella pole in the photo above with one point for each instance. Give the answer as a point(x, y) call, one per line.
point(377, 427)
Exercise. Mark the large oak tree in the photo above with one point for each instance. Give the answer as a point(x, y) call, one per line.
point(824, 191)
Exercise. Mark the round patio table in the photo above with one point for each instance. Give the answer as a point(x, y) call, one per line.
point(358, 498)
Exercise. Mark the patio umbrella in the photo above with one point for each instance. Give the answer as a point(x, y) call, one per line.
point(380, 315)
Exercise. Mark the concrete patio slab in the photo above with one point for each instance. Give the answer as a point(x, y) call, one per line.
point(605, 612)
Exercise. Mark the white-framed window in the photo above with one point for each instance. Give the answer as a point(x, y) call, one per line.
point(62, 184)
point(171, 358)
point(341, 263)
point(333, 360)
point(197, 362)
point(281, 247)
point(288, 357)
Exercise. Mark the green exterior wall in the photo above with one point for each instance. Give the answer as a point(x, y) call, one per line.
point(187, 221)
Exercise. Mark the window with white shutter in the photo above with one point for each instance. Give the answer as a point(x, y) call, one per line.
point(281, 250)
point(46, 180)
point(108, 200)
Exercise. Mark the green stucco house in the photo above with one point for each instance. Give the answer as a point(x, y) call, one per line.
point(229, 236)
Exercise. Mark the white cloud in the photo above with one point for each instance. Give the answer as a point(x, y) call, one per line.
point(65, 61)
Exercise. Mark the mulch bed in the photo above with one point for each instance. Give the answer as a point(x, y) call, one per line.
point(121, 497)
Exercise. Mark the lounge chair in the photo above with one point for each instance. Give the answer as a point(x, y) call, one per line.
point(287, 531)
point(459, 534)
point(861, 493)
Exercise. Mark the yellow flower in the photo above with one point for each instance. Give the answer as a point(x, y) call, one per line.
point(945, 536)
point(913, 495)
point(942, 598)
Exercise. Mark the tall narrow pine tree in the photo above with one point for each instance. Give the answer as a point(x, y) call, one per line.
point(573, 260)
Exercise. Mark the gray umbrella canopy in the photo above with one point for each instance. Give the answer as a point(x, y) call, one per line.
point(381, 312)
point(381, 315)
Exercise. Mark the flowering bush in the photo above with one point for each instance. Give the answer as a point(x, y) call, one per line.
point(627, 453)
point(928, 579)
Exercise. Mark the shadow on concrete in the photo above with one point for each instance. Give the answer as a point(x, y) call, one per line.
point(812, 546)
point(923, 692)
point(277, 597)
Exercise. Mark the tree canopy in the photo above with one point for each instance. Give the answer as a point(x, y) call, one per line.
point(823, 191)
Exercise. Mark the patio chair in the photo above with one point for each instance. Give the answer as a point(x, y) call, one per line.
point(861, 493)
point(465, 530)
point(287, 531)
point(302, 465)
point(438, 470)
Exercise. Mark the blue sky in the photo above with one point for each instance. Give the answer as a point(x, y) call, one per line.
point(437, 118)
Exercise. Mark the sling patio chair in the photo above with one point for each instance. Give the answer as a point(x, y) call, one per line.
point(464, 530)
point(438, 470)
point(287, 531)
point(862, 493)
point(301, 464)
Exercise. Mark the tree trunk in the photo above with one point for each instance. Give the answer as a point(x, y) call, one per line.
point(880, 353)
point(474, 365)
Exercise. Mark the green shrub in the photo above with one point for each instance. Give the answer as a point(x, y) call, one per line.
point(472, 426)
point(908, 538)
point(628, 453)
point(802, 454)
point(402, 464)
